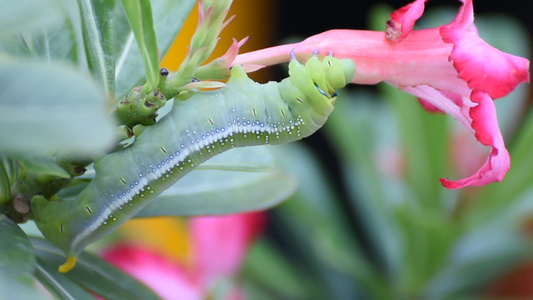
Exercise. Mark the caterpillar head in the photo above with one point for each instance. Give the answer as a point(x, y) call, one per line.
point(319, 79)
point(338, 72)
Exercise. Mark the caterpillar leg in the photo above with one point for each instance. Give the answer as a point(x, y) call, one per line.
point(68, 265)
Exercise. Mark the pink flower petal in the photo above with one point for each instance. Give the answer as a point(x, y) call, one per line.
point(226, 59)
point(221, 242)
point(482, 66)
point(487, 131)
point(403, 19)
point(165, 278)
point(465, 17)
point(453, 97)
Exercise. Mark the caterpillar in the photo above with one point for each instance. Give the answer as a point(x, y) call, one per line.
point(242, 113)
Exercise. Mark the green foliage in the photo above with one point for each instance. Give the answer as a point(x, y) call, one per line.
point(139, 14)
point(360, 233)
point(98, 26)
point(64, 66)
point(48, 107)
point(91, 274)
point(168, 17)
point(240, 180)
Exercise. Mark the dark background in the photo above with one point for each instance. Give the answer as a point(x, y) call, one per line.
point(300, 17)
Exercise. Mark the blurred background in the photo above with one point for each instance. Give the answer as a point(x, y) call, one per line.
point(370, 219)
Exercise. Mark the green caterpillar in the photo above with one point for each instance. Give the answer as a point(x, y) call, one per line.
point(243, 113)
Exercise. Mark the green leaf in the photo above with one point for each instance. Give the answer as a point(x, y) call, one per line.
point(17, 262)
point(372, 197)
point(424, 140)
point(16, 251)
point(48, 107)
point(98, 32)
point(239, 180)
point(43, 166)
point(266, 267)
point(478, 257)
point(20, 287)
point(58, 44)
point(428, 236)
point(26, 16)
point(58, 283)
point(94, 274)
point(168, 17)
point(315, 208)
point(139, 14)
point(5, 185)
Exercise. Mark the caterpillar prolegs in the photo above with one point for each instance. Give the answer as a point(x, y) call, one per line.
point(242, 113)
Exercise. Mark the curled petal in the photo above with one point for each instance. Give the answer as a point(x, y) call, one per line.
point(232, 52)
point(482, 66)
point(220, 67)
point(465, 17)
point(403, 19)
point(487, 132)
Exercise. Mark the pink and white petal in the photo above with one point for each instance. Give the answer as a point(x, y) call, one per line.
point(165, 278)
point(482, 66)
point(403, 19)
point(455, 98)
point(446, 102)
point(487, 132)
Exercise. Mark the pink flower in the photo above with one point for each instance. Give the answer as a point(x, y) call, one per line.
point(449, 68)
point(219, 245)
point(167, 279)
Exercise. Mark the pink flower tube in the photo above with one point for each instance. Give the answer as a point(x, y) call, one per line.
point(449, 68)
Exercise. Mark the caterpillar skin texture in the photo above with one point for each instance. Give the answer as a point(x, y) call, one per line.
point(243, 113)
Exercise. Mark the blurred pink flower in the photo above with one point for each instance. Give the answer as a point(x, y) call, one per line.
point(219, 245)
point(449, 68)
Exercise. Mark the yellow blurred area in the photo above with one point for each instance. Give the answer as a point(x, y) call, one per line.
point(164, 235)
point(256, 19)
